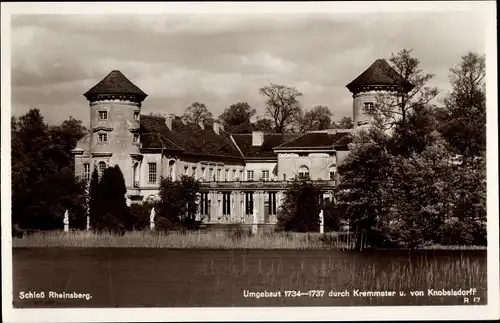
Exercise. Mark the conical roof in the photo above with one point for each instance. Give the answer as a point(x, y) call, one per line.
point(116, 83)
point(379, 73)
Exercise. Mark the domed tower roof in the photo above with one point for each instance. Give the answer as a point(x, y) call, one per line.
point(115, 84)
point(379, 75)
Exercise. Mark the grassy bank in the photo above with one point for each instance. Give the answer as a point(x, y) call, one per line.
point(196, 239)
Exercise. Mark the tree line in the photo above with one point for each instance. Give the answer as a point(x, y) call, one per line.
point(283, 114)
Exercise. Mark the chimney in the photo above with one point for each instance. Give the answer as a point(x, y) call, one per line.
point(216, 127)
point(168, 120)
point(202, 124)
point(257, 138)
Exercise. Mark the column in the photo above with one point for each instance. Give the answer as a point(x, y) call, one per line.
point(219, 208)
point(213, 206)
point(261, 206)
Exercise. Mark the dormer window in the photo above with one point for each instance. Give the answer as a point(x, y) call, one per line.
point(103, 115)
point(103, 137)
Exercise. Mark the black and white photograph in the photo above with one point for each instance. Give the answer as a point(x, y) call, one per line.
point(249, 161)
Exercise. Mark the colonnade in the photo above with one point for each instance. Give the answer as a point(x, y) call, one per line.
point(266, 206)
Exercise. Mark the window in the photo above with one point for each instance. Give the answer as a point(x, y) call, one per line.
point(241, 175)
point(265, 175)
point(248, 202)
point(227, 175)
point(194, 171)
point(304, 172)
point(101, 167)
point(218, 175)
point(186, 170)
point(211, 174)
point(226, 203)
point(272, 203)
point(152, 173)
point(136, 115)
point(86, 172)
point(204, 203)
point(332, 172)
point(234, 175)
point(103, 137)
point(136, 138)
point(103, 115)
point(250, 175)
point(203, 173)
point(284, 177)
point(368, 106)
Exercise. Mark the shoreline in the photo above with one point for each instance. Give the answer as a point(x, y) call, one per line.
point(214, 240)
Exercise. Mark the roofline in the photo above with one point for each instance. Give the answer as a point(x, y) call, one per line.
point(234, 142)
point(303, 147)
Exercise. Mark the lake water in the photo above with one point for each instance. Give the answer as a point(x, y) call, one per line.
point(139, 277)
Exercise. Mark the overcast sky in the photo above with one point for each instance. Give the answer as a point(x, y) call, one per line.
point(178, 59)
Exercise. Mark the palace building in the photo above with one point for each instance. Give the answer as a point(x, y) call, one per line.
point(238, 172)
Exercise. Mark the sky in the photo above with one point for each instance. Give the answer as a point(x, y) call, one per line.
point(221, 59)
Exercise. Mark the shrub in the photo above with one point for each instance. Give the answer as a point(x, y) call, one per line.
point(140, 214)
point(300, 209)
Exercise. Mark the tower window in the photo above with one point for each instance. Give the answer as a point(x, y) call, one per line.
point(103, 115)
point(86, 172)
point(136, 115)
point(136, 138)
point(152, 173)
point(103, 137)
point(368, 106)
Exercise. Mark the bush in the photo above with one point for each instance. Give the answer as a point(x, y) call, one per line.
point(163, 225)
point(300, 209)
point(140, 214)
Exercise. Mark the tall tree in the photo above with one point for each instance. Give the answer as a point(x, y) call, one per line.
point(282, 105)
point(113, 212)
point(236, 118)
point(300, 209)
point(177, 205)
point(197, 112)
point(263, 124)
point(318, 118)
point(464, 115)
point(412, 90)
point(344, 123)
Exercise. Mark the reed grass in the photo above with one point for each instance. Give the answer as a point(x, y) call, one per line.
point(193, 239)
point(198, 239)
point(337, 274)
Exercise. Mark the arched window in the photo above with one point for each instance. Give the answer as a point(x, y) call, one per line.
point(332, 170)
point(303, 172)
point(101, 167)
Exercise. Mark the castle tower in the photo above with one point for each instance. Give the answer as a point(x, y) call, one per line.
point(380, 77)
point(115, 106)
